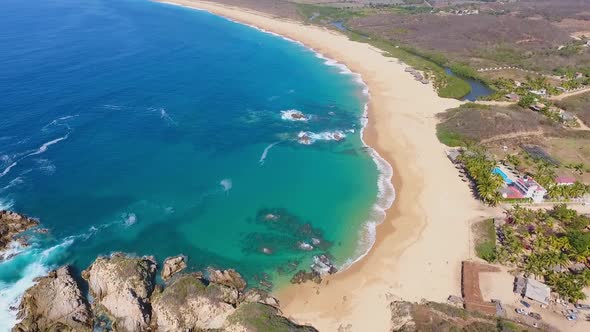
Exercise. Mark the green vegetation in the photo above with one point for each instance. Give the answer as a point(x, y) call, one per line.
point(311, 13)
point(527, 100)
point(545, 175)
point(452, 87)
point(480, 169)
point(264, 318)
point(553, 244)
point(485, 244)
point(450, 138)
point(432, 63)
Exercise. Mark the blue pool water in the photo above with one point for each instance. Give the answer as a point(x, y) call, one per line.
point(498, 171)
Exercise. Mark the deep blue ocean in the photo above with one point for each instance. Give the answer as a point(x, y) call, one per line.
point(128, 125)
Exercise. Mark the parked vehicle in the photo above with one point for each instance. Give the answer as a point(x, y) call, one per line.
point(521, 311)
point(525, 303)
point(535, 315)
point(571, 317)
point(582, 306)
point(571, 311)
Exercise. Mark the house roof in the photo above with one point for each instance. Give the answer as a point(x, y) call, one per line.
point(565, 180)
point(514, 193)
point(537, 291)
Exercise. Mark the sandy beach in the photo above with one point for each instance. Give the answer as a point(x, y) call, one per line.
point(426, 235)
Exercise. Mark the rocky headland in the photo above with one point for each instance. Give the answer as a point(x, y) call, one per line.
point(12, 225)
point(124, 296)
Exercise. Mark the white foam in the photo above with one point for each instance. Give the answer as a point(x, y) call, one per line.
point(7, 169)
point(44, 147)
point(385, 198)
point(14, 182)
point(308, 137)
point(6, 204)
point(129, 219)
point(41, 262)
point(166, 117)
point(12, 249)
point(294, 115)
point(58, 121)
point(265, 152)
point(226, 184)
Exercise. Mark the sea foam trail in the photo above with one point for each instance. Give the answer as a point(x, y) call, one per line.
point(6, 204)
point(265, 152)
point(44, 147)
point(30, 264)
point(386, 195)
point(14, 182)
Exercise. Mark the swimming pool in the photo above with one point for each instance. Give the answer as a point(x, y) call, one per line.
point(505, 177)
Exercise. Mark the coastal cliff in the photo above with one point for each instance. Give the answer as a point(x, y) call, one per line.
point(12, 225)
point(55, 303)
point(125, 297)
point(122, 286)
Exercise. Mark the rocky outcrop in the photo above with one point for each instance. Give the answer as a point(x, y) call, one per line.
point(126, 298)
point(303, 276)
point(229, 278)
point(11, 225)
point(172, 265)
point(55, 303)
point(122, 286)
point(188, 304)
point(259, 296)
point(401, 316)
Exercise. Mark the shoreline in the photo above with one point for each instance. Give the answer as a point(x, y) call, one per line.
point(424, 237)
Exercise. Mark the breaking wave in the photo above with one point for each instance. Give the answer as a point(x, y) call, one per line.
point(308, 137)
point(33, 262)
point(294, 115)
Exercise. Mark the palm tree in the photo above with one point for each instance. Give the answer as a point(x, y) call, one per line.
point(579, 168)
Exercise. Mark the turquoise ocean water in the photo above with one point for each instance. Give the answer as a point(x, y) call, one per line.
point(127, 125)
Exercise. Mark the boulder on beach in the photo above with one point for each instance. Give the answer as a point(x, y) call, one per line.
point(122, 285)
point(55, 303)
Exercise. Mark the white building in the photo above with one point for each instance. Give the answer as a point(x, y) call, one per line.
point(531, 189)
